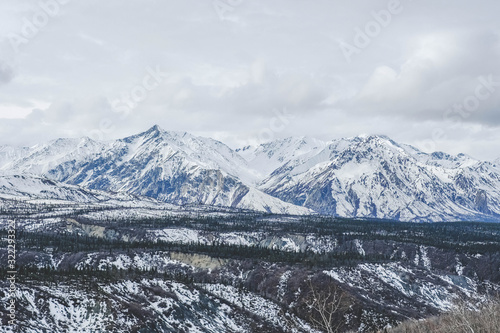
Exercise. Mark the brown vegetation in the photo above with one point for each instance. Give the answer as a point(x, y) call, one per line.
point(460, 320)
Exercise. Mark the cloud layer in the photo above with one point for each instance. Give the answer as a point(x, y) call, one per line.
point(248, 71)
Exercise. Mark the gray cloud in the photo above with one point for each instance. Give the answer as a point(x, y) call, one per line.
point(6, 73)
point(228, 74)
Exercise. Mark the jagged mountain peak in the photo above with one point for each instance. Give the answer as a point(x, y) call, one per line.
point(445, 160)
point(155, 128)
point(292, 144)
point(369, 137)
point(384, 140)
point(186, 149)
point(267, 157)
point(460, 156)
point(156, 132)
point(174, 167)
point(40, 158)
point(364, 149)
point(439, 155)
point(66, 145)
point(377, 140)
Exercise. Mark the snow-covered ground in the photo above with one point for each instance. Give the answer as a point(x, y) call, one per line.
point(123, 307)
point(258, 305)
point(376, 281)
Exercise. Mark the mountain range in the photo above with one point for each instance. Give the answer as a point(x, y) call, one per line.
point(362, 177)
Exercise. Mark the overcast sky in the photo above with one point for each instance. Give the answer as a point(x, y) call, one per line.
point(425, 73)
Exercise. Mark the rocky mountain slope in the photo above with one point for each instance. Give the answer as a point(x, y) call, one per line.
point(365, 176)
point(35, 189)
point(373, 176)
point(173, 167)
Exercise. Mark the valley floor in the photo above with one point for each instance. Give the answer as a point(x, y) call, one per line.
point(121, 269)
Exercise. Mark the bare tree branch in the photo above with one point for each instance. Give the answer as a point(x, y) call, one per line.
point(325, 304)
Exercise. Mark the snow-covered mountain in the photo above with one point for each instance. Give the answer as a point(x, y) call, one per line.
point(36, 190)
point(373, 176)
point(173, 167)
point(364, 176)
point(267, 157)
point(27, 187)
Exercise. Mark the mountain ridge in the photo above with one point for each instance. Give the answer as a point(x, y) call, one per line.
point(367, 176)
point(373, 176)
point(173, 167)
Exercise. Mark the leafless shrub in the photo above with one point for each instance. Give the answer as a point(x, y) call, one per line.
point(326, 307)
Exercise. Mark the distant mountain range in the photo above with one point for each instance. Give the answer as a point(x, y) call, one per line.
point(362, 177)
